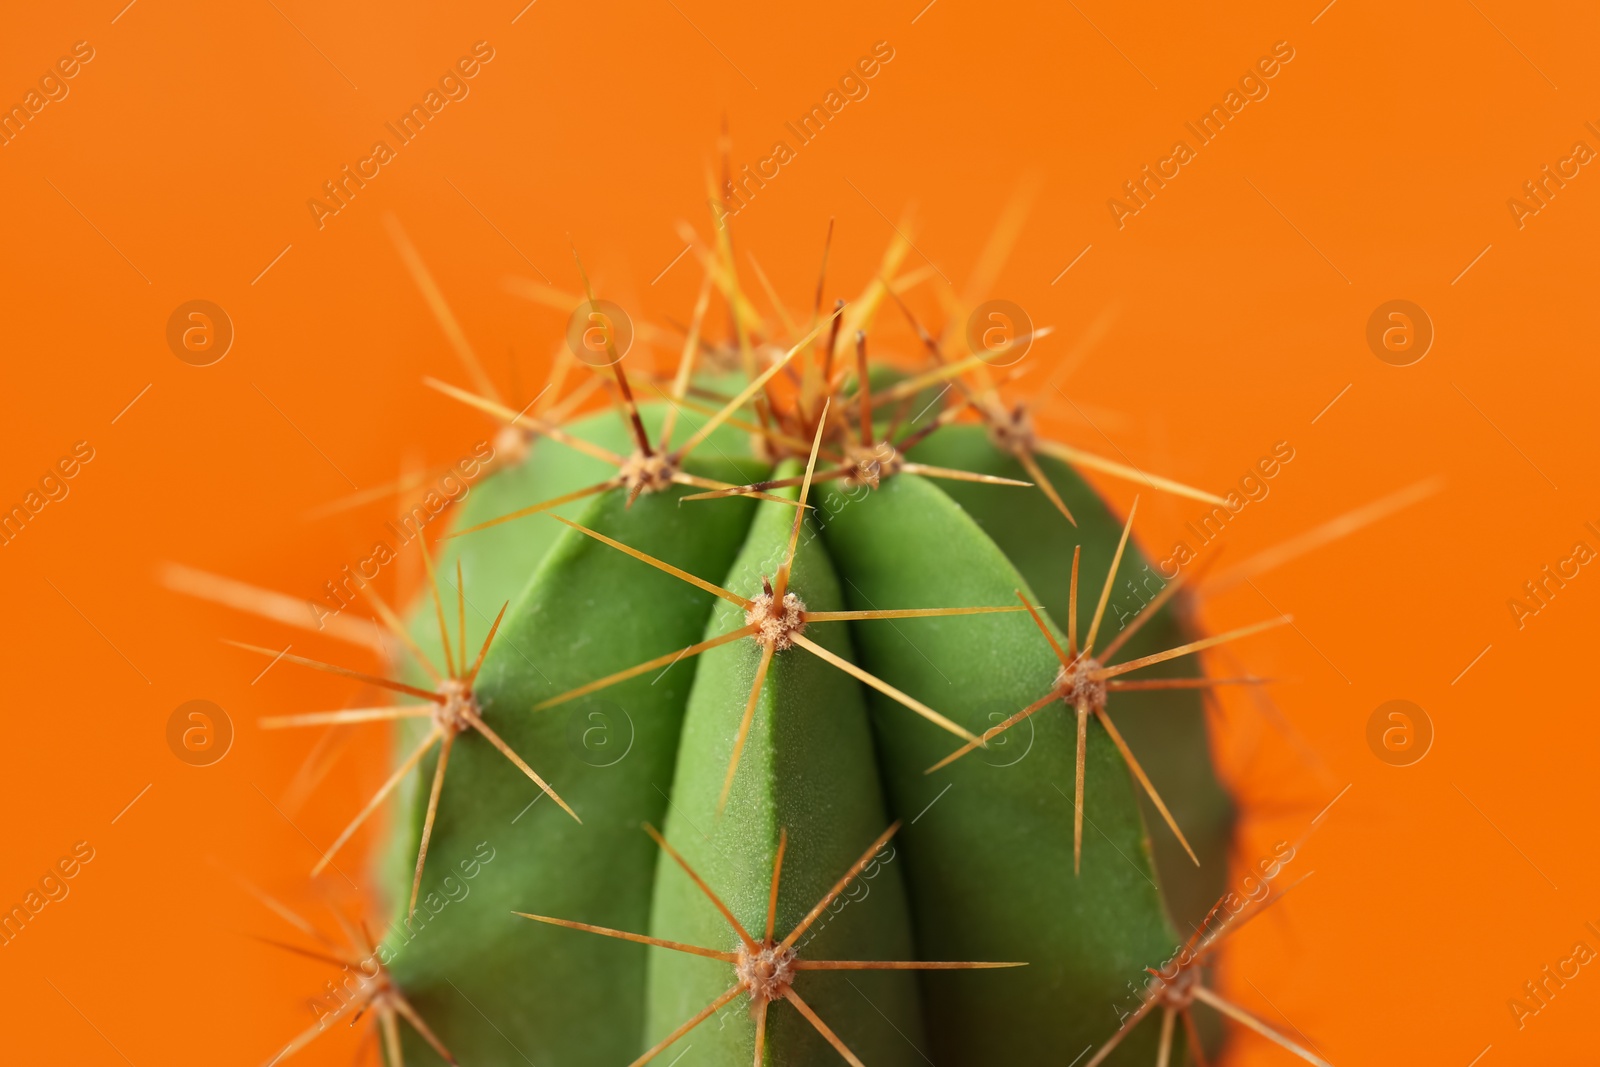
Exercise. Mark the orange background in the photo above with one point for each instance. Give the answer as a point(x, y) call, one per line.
point(1378, 167)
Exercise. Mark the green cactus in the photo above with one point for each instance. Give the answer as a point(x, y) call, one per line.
point(784, 616)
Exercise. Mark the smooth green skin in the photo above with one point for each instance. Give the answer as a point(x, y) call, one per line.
point(808, 767)
point(497, 988)
point(1166, 730)
point(988, 844)
point(496, 563)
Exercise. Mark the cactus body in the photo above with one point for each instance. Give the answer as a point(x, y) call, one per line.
point(983, 874)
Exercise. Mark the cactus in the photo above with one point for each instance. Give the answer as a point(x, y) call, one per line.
point(800, 604)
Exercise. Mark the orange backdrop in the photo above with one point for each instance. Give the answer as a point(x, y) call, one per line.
point(1380, 161)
